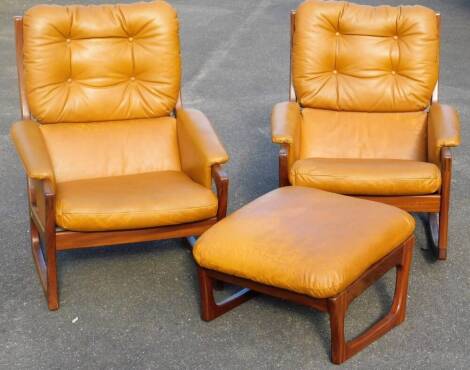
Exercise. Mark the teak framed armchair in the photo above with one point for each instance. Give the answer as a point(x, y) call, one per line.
point(363, 116)
point(111, 156)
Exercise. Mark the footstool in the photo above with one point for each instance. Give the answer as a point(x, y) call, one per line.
point(311, 247)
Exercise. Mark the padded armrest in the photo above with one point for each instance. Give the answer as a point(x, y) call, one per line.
point(285, 124)
point(443, 130)
point(199, 145)
point(32, 150)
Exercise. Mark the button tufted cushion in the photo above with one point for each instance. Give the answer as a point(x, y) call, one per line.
point(362, 58)
point(97, 63)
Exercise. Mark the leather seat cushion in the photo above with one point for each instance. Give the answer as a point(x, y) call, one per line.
point(132, 202)
point(304, 240)
point(367, 176)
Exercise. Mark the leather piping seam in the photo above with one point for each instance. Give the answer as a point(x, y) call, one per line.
point(366, 178)
point(133, 212)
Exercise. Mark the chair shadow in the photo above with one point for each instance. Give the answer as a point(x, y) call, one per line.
point(429, 252)
point(320, 320)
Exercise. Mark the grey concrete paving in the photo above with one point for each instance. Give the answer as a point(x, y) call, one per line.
point(137, 307)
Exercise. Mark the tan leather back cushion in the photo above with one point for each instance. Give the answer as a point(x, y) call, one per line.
point(362, 58)
point(333, 134)
point(105, 62)
point(103, 149)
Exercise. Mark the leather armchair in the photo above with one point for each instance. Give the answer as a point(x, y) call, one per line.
point(363, 117)
point(111, 155)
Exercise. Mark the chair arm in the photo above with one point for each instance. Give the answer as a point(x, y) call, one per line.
point(199, 145)
point(285, 124)
point(32, 150)
point(443, 130)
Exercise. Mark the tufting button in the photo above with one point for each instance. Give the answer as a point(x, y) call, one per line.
point(132, 78)
point(395, 37)
point(68, 40)
point(131, 39)
point(337, 33)
point(69, 80)
point(335, 71)
point(394, 73)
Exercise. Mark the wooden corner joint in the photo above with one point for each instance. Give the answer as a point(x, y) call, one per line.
point(41, 197)
point(446, 154)
point(221, 182)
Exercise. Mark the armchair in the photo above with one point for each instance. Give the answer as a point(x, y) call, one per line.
point(363, 116)
point(111, 155)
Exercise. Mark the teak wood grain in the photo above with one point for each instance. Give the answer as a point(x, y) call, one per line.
point(341, 348)
point(47, 240)
point(436, 205)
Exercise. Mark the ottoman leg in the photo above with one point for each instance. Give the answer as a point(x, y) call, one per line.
point(341, 349)
point(46, 266)
point(337, 308)
point(209, 308)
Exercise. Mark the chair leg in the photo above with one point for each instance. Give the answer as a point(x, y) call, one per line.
point(341, 350)
point(284, 165)
point(52, 288)
point(209, 308)
point(337, 308)
point(443, 229)
point(439, 224)
point(46, 267)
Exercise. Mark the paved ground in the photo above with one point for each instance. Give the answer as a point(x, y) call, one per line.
point(137, 306)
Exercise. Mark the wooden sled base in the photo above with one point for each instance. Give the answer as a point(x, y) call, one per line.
point(341, 349)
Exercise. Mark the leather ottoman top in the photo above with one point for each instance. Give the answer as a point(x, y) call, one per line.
point(304, 240)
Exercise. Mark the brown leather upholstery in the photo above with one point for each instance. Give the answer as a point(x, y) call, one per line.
point(443, 130)
point(103, 81)
point(333, 134)
point(363, 78)
point(132, 202)
point(304, 240)
point(199, 146)
point(362, 58)
point(32, 150)
point(112, 148)
point(286, 122)
point(367, 176)
point(98, 63)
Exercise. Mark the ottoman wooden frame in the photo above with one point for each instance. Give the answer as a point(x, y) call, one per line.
point(341, 349)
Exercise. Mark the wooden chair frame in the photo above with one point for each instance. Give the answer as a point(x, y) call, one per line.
point(341, 349)
point(47, 239)
point(436, 205)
